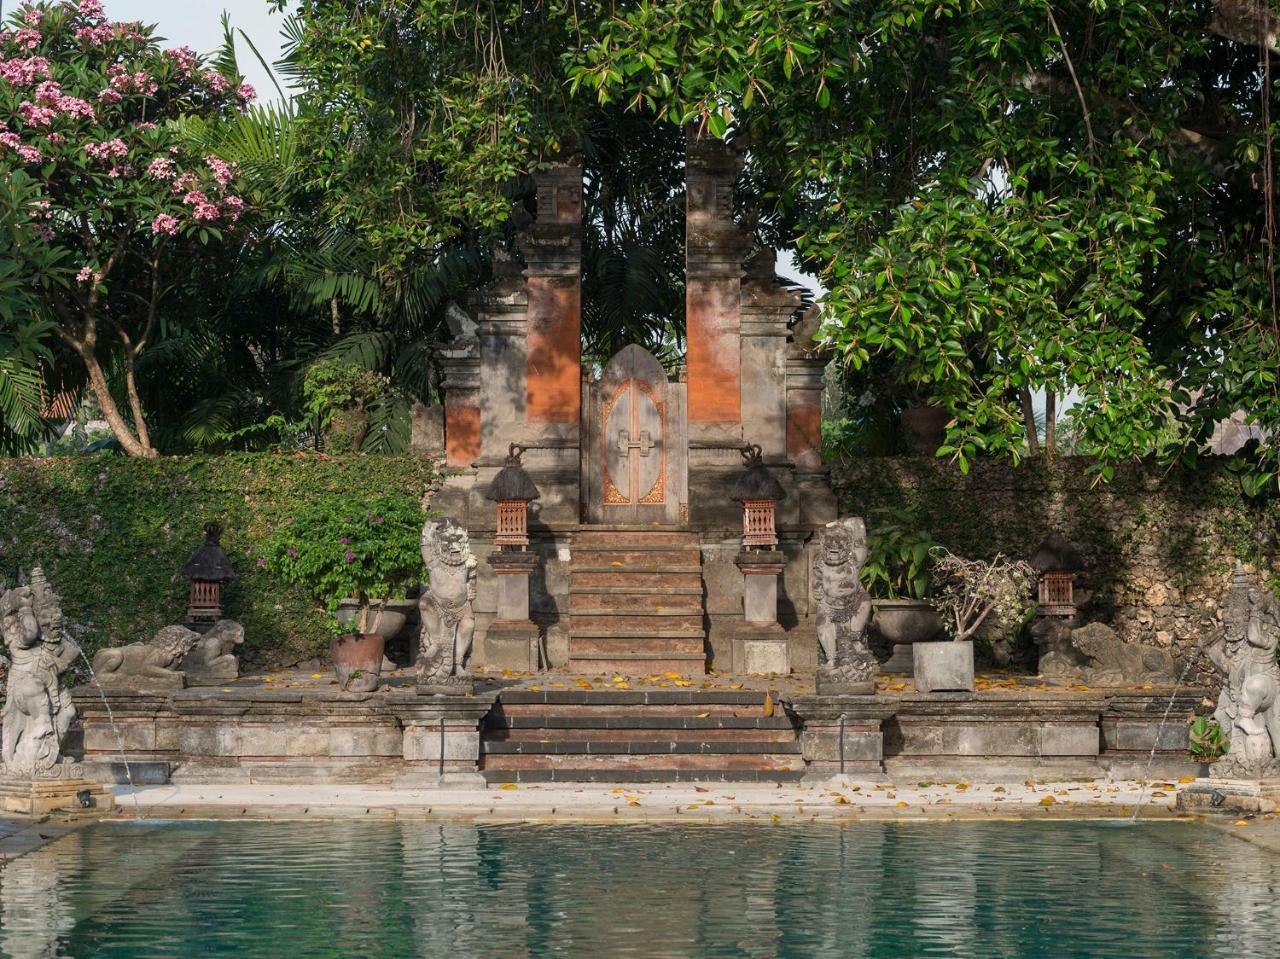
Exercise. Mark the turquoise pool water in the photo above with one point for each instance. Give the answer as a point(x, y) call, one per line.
point(866, 890)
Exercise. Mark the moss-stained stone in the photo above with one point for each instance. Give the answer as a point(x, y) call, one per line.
point(1160, 543)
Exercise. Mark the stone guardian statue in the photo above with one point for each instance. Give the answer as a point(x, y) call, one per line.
point(1249, 705)
point(844, 609)
point(448, 620)
point(37, 710)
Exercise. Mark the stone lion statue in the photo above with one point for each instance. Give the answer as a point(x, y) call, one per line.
point(844, 606)
point(212, 660)
point(155, 663)
point(448, 620)
point(1113, 662)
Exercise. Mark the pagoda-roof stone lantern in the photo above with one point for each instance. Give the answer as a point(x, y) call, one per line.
point(512, 490)
point(758, 490)
point(1057, 561)
point(207, 568)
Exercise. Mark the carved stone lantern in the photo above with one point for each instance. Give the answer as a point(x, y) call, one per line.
point(513, 491)
point(758, 491)
point(1057, 562)
point(513, 641)
point(759, 643)
point(208, 568)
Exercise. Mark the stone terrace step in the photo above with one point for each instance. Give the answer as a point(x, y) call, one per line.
point(639, 776)
point(640, 747)
point(642, 735)
point(612, 538)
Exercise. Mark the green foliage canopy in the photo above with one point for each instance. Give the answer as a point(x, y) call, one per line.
point(1001, 197)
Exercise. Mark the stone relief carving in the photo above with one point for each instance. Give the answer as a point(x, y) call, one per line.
point(448, 620)
point(151, 665)
point(212, 660)
point(37, 709)
point(844, 606)
point(1249, 705)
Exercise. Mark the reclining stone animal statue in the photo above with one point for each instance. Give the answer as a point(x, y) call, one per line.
point(1095, 654)
point(1113, 662)
point(212, 661)
point(1248, 710)
point(150, 666)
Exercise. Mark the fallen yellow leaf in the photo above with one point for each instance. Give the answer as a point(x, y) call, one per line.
point(702, 716)
point(684, 682)
point(1187, 779)
point(1047, 801)
point(317, 675)
point(633, 802)
point(1241, 822)
point(768, 705)
point(842, 800)
point(902, 802)
point(584, 684)
point(670, 675)
point(508, 786)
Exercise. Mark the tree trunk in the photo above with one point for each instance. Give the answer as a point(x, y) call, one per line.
point(1050, 423)
point(1029, 419)
point(128, 440)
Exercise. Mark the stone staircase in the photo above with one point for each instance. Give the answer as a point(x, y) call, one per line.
point(639, 736)
point(635, 603)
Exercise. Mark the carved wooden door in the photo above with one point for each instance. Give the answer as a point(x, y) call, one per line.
point(637, 473)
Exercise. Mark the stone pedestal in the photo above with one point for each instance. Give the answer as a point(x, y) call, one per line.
point(842, 735)
point(39, 797)
point(1232, 796)
point(442, 742)
point(760, 644)
point(513, 641)
point(943, 667)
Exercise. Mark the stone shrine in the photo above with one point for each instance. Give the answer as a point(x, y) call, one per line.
point(636, 531)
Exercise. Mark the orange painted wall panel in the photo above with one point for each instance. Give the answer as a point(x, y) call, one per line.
point(713, 331)
point(461, 429)
point(804, 427)
point(554, 383)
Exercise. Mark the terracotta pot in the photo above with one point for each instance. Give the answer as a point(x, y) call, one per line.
point(359, 653)
point(926, 428)
point(903, 622)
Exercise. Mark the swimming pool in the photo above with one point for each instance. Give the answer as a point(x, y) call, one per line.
point(869, 890)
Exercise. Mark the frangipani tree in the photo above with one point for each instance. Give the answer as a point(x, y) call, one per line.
point(118, 202)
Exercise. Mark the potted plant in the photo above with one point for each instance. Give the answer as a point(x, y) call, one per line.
point(341, 546)
point(966, 592)
point(899, 555)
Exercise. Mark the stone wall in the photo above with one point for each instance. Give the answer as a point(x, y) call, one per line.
point(1160, 543)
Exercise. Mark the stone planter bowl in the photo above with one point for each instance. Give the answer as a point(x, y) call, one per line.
point(389, 625)
point(904, 622)
point(357, 653)
point(943, 667)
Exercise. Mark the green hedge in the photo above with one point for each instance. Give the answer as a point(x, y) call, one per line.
point(112, 532)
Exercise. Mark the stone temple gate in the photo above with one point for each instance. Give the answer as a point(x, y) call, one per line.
point(635, 526)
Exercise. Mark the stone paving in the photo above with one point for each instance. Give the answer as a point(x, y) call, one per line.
point(837, 799)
